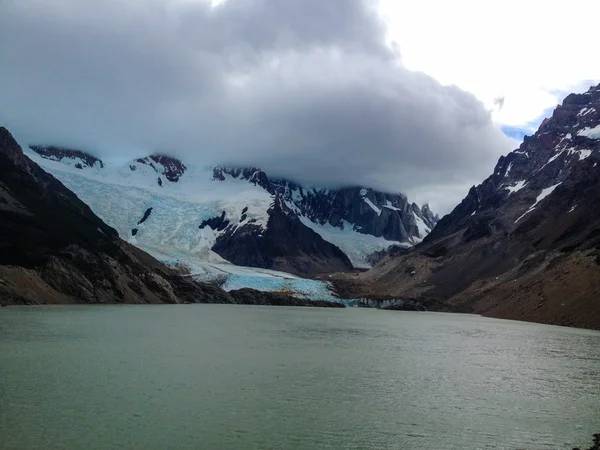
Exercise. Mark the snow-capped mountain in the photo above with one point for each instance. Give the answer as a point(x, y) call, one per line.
point(525, 243)
point(369, 212)
point(564, 144)
point(191, 215)
point(56, 250)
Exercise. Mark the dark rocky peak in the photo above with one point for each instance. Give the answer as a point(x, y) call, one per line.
point(279, 206)
point(381, 214)
point(430, 217)
point(218, 223)
point(368, 211)
point(552, 156)
point(577, 112)
point(55, 216)
point(426, 211)
point(77, 158)
point(285, 244)
point(9, 147)
point(251, 174)
point(170, 167)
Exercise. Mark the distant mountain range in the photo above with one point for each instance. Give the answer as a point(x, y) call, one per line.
point(524, 244)
point(179, 211)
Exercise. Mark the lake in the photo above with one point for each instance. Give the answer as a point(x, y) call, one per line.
point(246, 377)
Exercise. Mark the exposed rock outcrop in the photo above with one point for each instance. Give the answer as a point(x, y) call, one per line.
point(218, 223)
point(367, 211)
point(170, 167)
point(78, 158)
point(286, 244)
point(524, 244)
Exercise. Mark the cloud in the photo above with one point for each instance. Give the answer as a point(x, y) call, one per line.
point(522, 50)
point(307, 90)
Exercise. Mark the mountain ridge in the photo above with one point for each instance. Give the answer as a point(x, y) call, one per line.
point(54, 249)
point(357, 221)
point(525, 243)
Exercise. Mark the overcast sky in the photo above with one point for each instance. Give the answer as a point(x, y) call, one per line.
point(395, 96)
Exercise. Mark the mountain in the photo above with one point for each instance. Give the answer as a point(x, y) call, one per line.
point(524, 244)
point(210, 216)
point(369, 212)
point(54, 249)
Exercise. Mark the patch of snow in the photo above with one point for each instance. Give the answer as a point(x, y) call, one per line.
point(508, 169)
point(363, 192)
point(389, 205)
point(572, 209)
point(545, 193)
point(356, 245)
point(553, 158)
point(584, 154)
point(517, 187)
point(424, 230)
point(583, 111)
point(296, 195)
point(592, 133)
point(373, 207)
point(524, 214)
point(293, 207)
point(516, 152)
point(473, 213)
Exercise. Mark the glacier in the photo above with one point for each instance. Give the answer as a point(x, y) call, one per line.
point(121, 194)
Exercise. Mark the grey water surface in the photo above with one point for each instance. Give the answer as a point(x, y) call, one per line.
point(244, 377)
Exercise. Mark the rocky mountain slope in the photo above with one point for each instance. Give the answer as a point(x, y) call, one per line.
point(199, 216)
point(369, 212)
point(524, 244)
point(54, 249)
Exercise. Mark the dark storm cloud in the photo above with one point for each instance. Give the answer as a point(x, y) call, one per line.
point(304, 89)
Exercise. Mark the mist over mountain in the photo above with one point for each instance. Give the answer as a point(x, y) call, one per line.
point(324, 101)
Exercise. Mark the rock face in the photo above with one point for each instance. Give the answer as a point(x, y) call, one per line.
point(286, 245)
point(367, 211)
point(289, 245)
point(77, 158)
point(567, 141)
point(54, 249)
point(524, 244)
point(171, 168)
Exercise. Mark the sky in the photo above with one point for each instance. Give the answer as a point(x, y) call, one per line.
point(413, 97)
